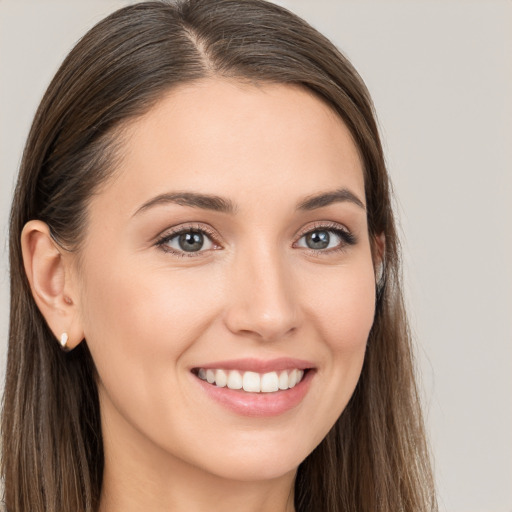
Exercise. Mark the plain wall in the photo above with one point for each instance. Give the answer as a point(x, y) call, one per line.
point(440, 73)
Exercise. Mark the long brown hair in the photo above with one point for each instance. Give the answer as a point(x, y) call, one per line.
point(375, 457)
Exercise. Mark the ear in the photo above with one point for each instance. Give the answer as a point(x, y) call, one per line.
point(49, 272)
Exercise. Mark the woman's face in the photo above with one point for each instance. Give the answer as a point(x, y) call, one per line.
point(231, 245)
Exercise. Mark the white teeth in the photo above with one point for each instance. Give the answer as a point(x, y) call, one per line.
point(252, 382)
point(234, 380)
point(210, 376)
point(292, 378)
point(283, 380)
point(269, 382)
point(221, 378)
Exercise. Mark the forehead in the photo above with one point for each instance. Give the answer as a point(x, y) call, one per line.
point(236, 139)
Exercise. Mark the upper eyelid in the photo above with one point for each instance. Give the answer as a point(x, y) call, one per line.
point(183, 228)
point(325, 225)
point(178, 230)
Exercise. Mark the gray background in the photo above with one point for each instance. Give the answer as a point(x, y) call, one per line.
point(440, 73)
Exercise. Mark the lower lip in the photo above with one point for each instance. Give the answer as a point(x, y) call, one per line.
point(258, 404)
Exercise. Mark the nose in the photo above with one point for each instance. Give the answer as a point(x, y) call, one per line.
point(263, 303)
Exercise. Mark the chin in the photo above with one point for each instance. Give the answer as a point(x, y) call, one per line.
point(257, 471)
point(259, 462)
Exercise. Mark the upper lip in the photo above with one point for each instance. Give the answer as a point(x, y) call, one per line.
point(259, 365)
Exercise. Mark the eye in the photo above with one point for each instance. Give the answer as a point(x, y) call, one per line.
point(324, 238)
point(187, 241)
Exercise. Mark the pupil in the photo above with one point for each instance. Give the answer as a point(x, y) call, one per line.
point(191, 242)
point(318, 239)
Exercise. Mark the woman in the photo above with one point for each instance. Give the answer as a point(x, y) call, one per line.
point(206, 307)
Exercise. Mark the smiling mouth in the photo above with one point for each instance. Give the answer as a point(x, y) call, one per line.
point(251, 382)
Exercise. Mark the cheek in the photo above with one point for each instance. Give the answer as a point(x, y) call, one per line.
point(133, 317)
point(344, 307)
point(343, 313)
point(139, 330)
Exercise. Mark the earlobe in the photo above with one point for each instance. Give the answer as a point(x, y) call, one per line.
point(48, 273)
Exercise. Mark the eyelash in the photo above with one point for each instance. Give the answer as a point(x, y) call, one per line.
point(346, 237)
point(168, 236)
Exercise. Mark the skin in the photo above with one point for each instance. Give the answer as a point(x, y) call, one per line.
point(255, 291)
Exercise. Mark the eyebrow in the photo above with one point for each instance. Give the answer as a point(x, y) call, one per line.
point(327, 198)
point(220, 204)
point(192, 199)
